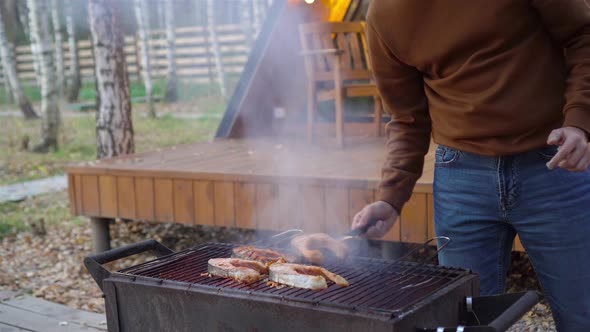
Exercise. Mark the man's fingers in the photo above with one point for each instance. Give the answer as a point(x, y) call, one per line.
point(375, 231)
point(583, 163)
point(576, 155)
point(357, 219)
point(562, 153)
point(556, 137)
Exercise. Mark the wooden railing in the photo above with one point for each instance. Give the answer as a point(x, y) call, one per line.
point(194, 55)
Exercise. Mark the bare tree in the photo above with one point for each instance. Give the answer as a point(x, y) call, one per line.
point(172, 85)
point(114, 126)
point(256, 16)
point(215, 47)
point(23, 10)
point(142, 30)
point(59, 53)
point(11, 76)
point(246, 21)
point(74, 78)
point(41, 36)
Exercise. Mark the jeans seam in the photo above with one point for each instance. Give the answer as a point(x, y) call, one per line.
point(500, 258)
point(500, 175)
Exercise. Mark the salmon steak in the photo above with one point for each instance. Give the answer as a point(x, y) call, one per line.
point(242, 270)
point(265, 256)
point(304, 276)
point(311, 247)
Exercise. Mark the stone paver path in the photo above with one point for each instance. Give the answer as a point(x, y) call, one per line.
point(19, 191)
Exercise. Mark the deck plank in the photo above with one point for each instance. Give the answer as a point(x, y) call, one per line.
point(245, 205)
point(184, 201)
point(275, 184)
point(414, 219)
point(144, 198)
point(126, 197)
point(267, 206)
point(33, 314)
point(223, 192)
point(107, 185)
point(338, 217)
point(164, 205)
point(204, 204)
point(58, 311)
point(313, 208)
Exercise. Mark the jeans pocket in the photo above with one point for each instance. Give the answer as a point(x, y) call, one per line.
point(548, 152)
point(446, 156)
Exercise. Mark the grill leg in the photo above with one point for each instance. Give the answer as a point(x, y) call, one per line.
point(101, 239)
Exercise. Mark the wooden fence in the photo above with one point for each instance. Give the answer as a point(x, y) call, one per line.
point(194, 55)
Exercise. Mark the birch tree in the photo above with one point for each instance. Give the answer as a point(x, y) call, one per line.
point(246, 21)
point(41, 36)
point(23, 10)
point(74, 78)
point(256, 16)
point(11, 76)
point(142, 30)
point(114, 126)
point(172, 84)
point(59, 54)
point(211, 26)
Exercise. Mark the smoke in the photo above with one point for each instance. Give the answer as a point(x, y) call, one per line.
point(308, 185)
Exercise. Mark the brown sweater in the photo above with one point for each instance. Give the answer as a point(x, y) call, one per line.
point(492, 77)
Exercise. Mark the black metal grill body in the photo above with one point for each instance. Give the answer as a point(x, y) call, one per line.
point(170, 294)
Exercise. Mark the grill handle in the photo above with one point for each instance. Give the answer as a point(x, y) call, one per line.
point(496, 313)
point(94, 262)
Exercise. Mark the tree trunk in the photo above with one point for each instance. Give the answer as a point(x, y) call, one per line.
point(59, 53)
point(142, 29)
point(6, 84)
point(215, 46)
point(114, 127)
point(246, 22)
point(75, 81)
point(11, 77)
point(256, 13)
point(24, 13)
point(172, 85)
point(41, 36)
point(162, 14)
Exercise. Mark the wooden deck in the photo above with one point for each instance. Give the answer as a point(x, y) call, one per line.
point(27, 313)
point(249, 184)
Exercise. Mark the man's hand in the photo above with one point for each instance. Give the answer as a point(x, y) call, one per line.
point(382, 212)
point(574, 151)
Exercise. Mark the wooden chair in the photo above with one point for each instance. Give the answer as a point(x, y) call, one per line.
point(338, 67)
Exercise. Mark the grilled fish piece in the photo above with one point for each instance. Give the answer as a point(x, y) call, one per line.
point(241, 270)
point(304, 276)
point(265, 256)
point(310, 246)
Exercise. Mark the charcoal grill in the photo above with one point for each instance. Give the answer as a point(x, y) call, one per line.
point(172, 293)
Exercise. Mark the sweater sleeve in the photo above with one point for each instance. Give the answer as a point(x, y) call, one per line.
point(408, 134)
point(568, 21)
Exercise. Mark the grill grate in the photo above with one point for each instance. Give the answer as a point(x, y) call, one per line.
point(375, 285)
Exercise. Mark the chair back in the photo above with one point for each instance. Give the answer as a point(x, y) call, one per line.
point(345, 38)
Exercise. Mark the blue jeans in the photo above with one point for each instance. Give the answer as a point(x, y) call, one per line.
point(481, 203)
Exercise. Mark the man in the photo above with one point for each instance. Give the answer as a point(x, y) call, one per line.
point(503, 87)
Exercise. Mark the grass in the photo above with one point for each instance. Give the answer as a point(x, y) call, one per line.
point(77, 143)
point(187, 91)
point(52, 209)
